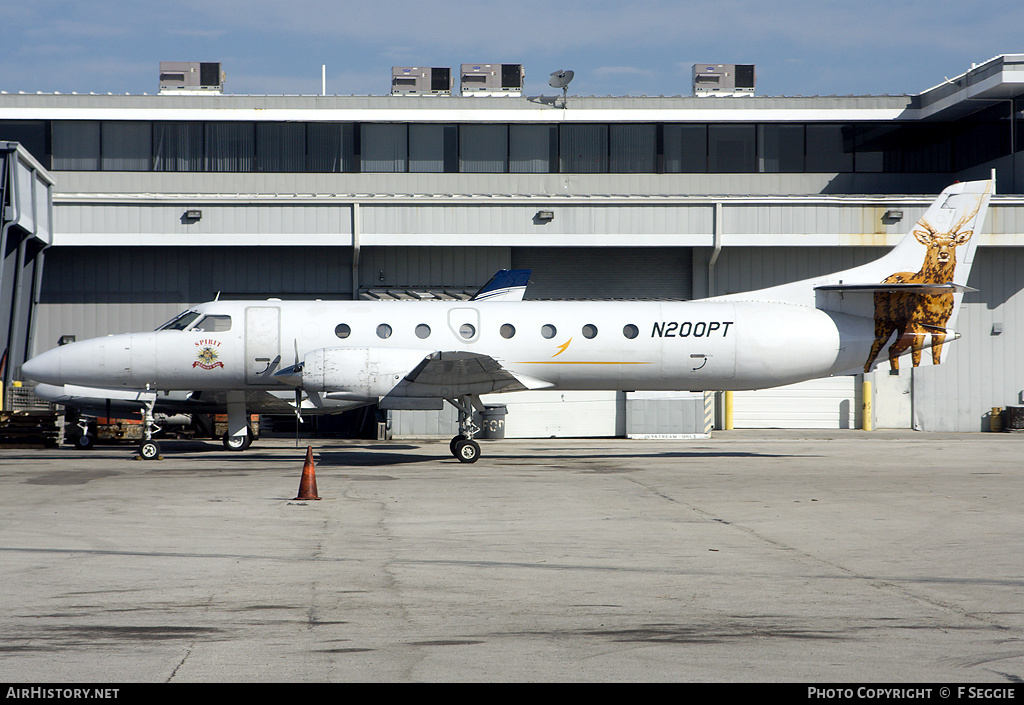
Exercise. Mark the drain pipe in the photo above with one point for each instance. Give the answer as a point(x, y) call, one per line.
point(356, 224)
point(716, 239)
point(726, 398)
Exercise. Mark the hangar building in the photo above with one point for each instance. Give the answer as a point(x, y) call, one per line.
point(165, 200)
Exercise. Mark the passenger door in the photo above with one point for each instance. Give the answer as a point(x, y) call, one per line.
point(262, 343)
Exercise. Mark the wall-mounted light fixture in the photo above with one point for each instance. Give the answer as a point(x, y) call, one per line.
point(892, 216)
point(193, 215)
point(544, 216)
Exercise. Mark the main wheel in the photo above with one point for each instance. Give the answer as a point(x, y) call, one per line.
point(149, 450)
point(454, 442)
point(467, 451)
point(237, 443)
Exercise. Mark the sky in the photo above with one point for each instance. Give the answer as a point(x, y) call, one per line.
point(868, 47)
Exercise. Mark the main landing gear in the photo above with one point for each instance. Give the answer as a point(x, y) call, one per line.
point(463, 446)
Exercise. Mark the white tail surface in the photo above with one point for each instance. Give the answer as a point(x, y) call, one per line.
point(915, 290)
point(938, 250)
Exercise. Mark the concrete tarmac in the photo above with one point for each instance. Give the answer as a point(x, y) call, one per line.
point(776, 556)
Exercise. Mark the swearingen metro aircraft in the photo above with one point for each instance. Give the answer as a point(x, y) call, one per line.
point(505, 285)
point(326, 356)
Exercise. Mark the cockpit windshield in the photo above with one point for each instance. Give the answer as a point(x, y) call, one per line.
point(214, 324)
point(181, 321)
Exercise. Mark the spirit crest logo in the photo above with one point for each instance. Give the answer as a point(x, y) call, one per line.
point(207, 355)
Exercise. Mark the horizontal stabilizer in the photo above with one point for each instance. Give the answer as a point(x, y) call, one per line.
point(933, 289)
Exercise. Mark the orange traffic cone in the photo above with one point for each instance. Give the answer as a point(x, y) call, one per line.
point(307, 486)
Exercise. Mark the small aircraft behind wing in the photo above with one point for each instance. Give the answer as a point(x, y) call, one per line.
point(324, 356)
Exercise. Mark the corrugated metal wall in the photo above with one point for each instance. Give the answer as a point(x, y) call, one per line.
point(985, 368)
point(430, 267)
point(831, 402)
point(94, 291)
point(330, 222)
point(747, 268)
point(474, 223)
point(607, 272)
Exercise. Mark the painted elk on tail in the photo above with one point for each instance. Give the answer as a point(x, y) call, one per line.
point(914, 316)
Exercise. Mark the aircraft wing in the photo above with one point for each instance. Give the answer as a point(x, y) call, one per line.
point(460, 368)
point(449, 374)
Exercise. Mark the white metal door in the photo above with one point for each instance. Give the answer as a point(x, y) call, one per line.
point(818, 403)
point(262, 343)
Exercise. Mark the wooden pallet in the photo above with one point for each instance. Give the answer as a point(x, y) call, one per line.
point(32, 429)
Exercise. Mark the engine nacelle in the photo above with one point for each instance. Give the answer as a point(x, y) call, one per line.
point(362, 372)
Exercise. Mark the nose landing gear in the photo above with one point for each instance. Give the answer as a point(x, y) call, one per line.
point(149, 449)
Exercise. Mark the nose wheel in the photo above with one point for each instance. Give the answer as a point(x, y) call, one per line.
point(149, 450)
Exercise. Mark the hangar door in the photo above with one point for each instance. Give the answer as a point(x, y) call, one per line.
point(832, 402)
point(607, 272)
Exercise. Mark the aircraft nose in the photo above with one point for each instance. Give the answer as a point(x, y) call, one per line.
point(44, 368)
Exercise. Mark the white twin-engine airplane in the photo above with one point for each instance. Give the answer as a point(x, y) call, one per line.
point(326, 356)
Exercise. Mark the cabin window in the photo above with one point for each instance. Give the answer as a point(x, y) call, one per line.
point(467, 330)
point(422, 331)
point(383, 331)
point(508, 330)
point(214, 324)
point(343, 330)
point(589, 331)
point(630, 331)
point(548, 331)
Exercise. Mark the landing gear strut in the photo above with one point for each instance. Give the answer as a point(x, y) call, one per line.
point(463, 446)
point(239, 435)
point(148, 449)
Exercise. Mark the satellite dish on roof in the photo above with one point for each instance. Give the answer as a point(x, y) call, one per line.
point(561, 79)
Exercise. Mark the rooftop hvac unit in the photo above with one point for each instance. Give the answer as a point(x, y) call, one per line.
point(723, 79)
point(413, 80)
point(191, 77)
point(492, 79)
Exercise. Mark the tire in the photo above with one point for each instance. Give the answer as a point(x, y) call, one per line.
point(85, 442)
point(467, 451)
point(237, 443)
point(455, 442)
point(149, 450)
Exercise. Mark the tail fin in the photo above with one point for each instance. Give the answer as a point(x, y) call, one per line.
point(940, 248)
point(934, 258)
point(505, 285)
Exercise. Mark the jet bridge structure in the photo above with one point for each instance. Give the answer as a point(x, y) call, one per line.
point(26, 194)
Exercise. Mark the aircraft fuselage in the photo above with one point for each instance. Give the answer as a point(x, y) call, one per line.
point(248, 345)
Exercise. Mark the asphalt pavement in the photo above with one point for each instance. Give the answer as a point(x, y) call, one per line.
point(753, 556)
